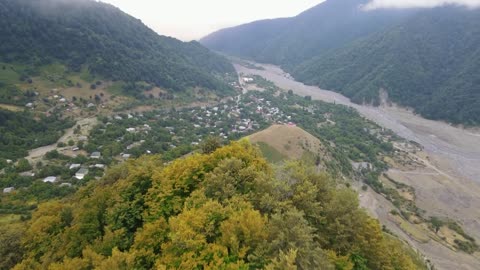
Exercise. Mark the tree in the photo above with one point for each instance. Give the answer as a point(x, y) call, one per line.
point(11, 249)
point(437, 223)
point(23, 165)
point(210, 144)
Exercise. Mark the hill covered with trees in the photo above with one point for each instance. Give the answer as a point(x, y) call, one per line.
point(291, 41)
point(225, 210)
point(106, 41)
point(424, 59)
point(429, 63)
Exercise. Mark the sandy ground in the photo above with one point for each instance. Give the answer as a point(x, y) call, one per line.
point(449, 185)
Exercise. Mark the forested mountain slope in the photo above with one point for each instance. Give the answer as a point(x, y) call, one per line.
point(290, 41)
point(225, 210)
point(86, 33)
point(430, 63)
point(425, 59)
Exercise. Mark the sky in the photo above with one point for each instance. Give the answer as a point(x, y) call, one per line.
point(194, 19)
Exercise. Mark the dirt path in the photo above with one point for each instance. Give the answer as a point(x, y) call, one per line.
point(448, 186)
point(38, 153)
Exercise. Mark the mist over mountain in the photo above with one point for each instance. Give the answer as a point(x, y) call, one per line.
point(429, 63)
point(423, 58)
point(85, 33)
point(290, 41)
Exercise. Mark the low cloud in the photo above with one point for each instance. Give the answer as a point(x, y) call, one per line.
point(376, 4)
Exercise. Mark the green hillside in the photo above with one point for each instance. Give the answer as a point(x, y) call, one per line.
point(430, 63)
point(290, 41)
point(427, 59)
point(106, 41)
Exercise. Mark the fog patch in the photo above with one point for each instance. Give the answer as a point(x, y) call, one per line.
point(378, 4)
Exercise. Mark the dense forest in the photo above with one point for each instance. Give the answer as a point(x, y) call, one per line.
point(289, 42)
point(227, 209)
point(429, 63)
point(424, 59)
point(112, 44)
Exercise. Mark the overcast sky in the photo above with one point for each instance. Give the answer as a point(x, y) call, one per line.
point(193, 19)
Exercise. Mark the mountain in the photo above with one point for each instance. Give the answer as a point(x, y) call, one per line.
point(290, 41)
point(112, 44)
point(429, 63)
point(423, 59)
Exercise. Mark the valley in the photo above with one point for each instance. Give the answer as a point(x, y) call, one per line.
point(122, 147)
point(447, 184)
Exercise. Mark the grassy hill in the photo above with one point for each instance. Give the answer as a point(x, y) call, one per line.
point(86, 34)
point(283, 142)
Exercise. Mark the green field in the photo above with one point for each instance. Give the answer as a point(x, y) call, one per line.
point(270, 153)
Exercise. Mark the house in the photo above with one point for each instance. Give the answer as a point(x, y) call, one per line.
point(100, 166)
point(50, 179)
point(126, 156)
point(96, 155)
point(90, 105)
point(74, 166)
point(27, 174)
point(29, 105)
point(8, 190)
point(75, 149)
point(361, 166)
point(131, 130)
point(65, 185)
point(81, 173)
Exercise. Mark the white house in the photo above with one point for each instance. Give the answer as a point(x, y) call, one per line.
point(96, 155)
point(81, 173)
point(50, 179)
point(100, 166)
point(74, 166)
point(8, 190)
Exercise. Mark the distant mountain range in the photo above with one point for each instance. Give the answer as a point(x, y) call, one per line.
point(427, 59)
point(86, 33)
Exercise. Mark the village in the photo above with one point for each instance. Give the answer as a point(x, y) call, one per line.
point(171, 133)
point(105, 140)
